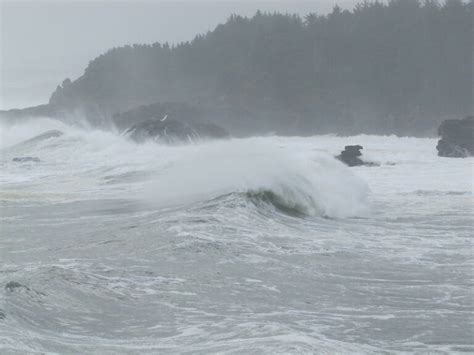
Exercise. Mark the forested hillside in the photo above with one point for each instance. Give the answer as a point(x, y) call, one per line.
point(398, 67)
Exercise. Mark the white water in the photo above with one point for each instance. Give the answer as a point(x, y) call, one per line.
point(82, 158)
point(126, 248)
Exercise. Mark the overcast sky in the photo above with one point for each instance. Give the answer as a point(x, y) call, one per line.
point(45, 42)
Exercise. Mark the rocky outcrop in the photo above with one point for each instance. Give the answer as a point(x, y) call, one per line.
point(350, 156)
point(457, 138)
point(168, 131)
point(172, 131)
point(210, 131)
point(177, 111)
point(168, 122)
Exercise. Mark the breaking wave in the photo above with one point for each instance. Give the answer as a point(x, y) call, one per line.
point(306, 183)
point(94, 163)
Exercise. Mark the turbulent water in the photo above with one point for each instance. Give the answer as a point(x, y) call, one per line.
point(258, 245)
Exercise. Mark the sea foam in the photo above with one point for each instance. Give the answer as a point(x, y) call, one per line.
point(311, 182)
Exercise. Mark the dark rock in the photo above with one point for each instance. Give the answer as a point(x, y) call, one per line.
point(176, 116)
point(172, 131)
point(457, 138)
point(26, 160)
point(452, 150)
point(155, 112)
point(13, 285)
point(210, 131)
point(168, 122)
point(167, 131)
point(350, 156)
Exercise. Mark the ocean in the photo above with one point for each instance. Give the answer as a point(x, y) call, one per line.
point(240, 246)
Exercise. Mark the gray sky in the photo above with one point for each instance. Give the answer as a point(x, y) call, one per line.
point(43, 42)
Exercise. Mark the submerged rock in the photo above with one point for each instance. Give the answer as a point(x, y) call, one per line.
point(350, 156)
point(26, 160)
point(13, 285)
point(173, 131)
point(2, 315)
point(457, 138)
point(159, 111)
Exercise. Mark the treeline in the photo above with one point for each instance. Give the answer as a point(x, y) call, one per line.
point(397, 67)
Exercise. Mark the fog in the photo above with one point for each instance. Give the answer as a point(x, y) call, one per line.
point(192, 177)
point(397, 67)
point(44, 42)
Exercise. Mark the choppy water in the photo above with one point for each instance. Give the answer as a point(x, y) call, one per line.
point(258, 245)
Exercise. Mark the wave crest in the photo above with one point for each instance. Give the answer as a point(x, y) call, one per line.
point(284, 203)
point(297, 183)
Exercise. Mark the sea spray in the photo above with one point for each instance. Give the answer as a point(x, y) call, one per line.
point(312, 183)
point(95, 163)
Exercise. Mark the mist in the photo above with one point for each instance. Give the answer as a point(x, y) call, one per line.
point(400, 67)
point(191, 177)
point(43, 42)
